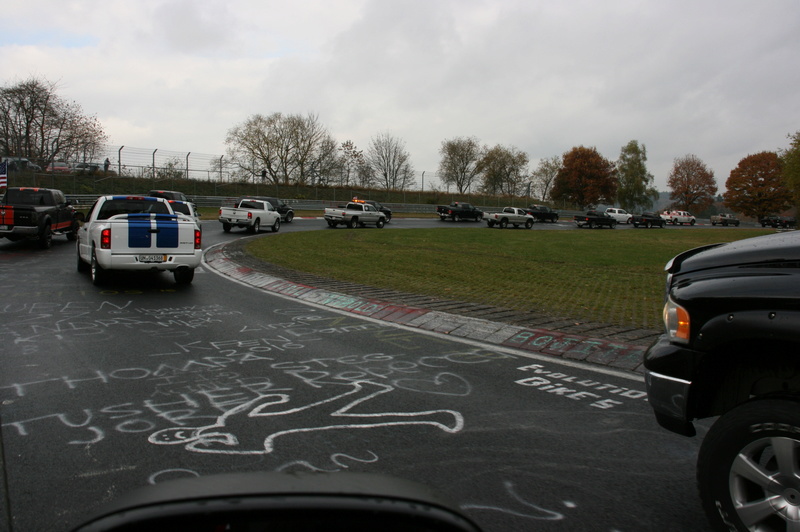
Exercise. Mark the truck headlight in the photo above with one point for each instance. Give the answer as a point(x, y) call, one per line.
point(676, 321)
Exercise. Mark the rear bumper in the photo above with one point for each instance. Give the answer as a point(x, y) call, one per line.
point(132, 262)
point(21, 231)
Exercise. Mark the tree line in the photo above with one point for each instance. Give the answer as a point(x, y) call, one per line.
point(293, 149)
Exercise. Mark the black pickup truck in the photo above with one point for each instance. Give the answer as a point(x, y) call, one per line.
point(731, 349)
point(37, 213)
point(542, 213)
point(592, 219)
point(459, 211)
point(648, 220)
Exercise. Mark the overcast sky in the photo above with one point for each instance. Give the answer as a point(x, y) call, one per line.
point(717, 79)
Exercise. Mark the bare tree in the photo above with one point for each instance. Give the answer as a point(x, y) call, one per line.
point(352, 159)
point(459, 163)
point(290, 149)
point(545, 175)
point(390, 162)
point(37, 124)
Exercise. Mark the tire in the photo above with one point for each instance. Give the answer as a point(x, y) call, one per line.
point(613, 225)
point(442, 218)
point(591, 225)
point(226, 227)
point(72, 236)
point(629, 220)
point(183, 275)
point(353, 223)
point(456, 218)
point(691, 222)
point(256, 227)
point(98, 274)
point(83, 267)
point(479, 218)
point(490, 223)
point(528, 224)
point(503, 223)
point(46, 237)
point(745, 466)
point(289, 217)
point(647, 225)
point(332, 224)
point(380, 223)
point(277, 225)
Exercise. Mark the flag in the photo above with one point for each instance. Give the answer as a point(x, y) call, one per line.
point(4, 174)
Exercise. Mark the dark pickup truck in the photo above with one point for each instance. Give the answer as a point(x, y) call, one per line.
point(459, 211)
point(542, 213)
point(37, 213)
point(731, 348)
point(592, 219)
point(648, 220)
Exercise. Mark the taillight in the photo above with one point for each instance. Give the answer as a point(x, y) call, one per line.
point(197, 239)
point(105, 239)
point(220, 211)
point(249, 214)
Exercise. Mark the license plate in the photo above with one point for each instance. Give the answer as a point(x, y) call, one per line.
point(3, 228)
point(152, 258)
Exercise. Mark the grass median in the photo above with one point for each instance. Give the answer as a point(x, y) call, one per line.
point(597, 275)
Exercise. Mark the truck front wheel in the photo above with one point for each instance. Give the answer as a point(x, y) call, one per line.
point(277, 225)
point(748, 465)
point(379, 224)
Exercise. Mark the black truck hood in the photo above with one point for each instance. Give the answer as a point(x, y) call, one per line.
point(777, 248)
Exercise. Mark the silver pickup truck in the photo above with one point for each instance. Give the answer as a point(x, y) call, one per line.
point(354, 214)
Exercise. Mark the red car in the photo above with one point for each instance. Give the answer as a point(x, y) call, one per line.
point(58, 167)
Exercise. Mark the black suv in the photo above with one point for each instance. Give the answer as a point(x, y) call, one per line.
point(383, 208)
point(732, 349)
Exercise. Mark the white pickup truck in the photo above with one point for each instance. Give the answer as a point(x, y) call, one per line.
point(251, 213)
point(354, 214)
point(139, 233)
point(509, 216)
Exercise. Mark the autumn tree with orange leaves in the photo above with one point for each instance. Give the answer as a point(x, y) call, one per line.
point(756, 187)
point(692, 183)
point(585, 178)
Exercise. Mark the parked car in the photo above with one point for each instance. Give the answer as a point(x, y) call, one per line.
point(648, 220)
point(620, 215)
point(86, 168)
point(20, 164)
point(58, 167)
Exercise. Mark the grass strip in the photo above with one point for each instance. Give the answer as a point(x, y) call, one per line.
point(604, 276)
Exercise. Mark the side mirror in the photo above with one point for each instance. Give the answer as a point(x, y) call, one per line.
point(355, 502)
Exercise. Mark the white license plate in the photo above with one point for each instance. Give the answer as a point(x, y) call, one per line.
point(152, 258)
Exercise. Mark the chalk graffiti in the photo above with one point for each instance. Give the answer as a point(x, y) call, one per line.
point(528, 509)
point(577, 389)
point(227, 434)
point(339, 461)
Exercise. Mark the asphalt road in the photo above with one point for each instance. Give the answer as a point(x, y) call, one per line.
point(106, 389)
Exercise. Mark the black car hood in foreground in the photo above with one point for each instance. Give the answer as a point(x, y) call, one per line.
point(770, 249)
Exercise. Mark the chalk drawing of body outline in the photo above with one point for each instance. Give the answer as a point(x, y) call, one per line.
point(215, 439)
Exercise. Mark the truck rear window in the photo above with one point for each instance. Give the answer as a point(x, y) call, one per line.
point(29, 197)
point(114, 207)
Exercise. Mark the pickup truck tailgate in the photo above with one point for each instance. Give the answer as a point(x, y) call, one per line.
point(156, 232)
